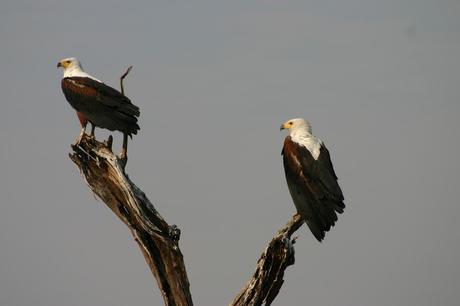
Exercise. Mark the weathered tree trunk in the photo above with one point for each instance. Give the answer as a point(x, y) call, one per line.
point(158, 241)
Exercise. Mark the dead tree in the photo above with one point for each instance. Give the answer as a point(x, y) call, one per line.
point(104, 173)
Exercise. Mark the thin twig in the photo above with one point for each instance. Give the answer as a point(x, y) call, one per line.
point(122, 78)
point(124, 152)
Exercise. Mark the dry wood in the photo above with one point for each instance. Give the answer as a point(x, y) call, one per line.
point(158, 241)
point(267, 280)
point(105, 176)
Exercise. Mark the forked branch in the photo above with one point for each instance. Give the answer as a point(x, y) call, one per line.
point(104, 173)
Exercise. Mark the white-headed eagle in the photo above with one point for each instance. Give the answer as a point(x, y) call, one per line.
point(311, 178)
point(97, 103)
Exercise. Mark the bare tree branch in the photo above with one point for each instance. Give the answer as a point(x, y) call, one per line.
point(123, 76)
point(158, 241)
point(267, 280)
point(104, 174)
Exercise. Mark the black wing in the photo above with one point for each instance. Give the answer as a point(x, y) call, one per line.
point(313, 186)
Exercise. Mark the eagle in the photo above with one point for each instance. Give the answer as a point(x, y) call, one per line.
point(311, 178)
point(97, 103)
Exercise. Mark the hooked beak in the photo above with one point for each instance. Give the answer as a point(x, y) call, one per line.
point(283, 127)
point(59, 65)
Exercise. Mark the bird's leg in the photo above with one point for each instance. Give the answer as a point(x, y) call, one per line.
point(82, 132)
point(124, 150)
point(93, 128)
point(108, 143)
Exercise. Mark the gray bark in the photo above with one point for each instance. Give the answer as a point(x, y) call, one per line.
point(267, 280)
point(105, 176)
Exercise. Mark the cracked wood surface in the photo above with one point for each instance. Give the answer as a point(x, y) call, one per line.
point(105, 176)
point(267, 280)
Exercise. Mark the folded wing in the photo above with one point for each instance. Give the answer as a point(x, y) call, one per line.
point(313, 186)
point(102, 105)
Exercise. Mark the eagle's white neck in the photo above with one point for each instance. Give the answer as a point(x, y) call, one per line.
point(302, 135)
point(75, 70)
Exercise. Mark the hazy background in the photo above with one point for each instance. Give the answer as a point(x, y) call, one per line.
point(379, 80)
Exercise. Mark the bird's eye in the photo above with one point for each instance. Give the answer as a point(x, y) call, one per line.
point(290, 123)
point(68, 62)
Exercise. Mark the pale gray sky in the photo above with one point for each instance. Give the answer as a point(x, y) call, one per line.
point(379, 80)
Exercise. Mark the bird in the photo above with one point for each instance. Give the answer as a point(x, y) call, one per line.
point(97, 103)
point(311, 178)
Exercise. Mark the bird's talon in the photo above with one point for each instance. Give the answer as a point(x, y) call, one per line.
point(123, 159)
point(78, 141)
point(92, 139)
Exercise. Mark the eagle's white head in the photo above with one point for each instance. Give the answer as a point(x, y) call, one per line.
point(297, 126)
point(300, 132)
point(69, 63)
point(72, 68)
